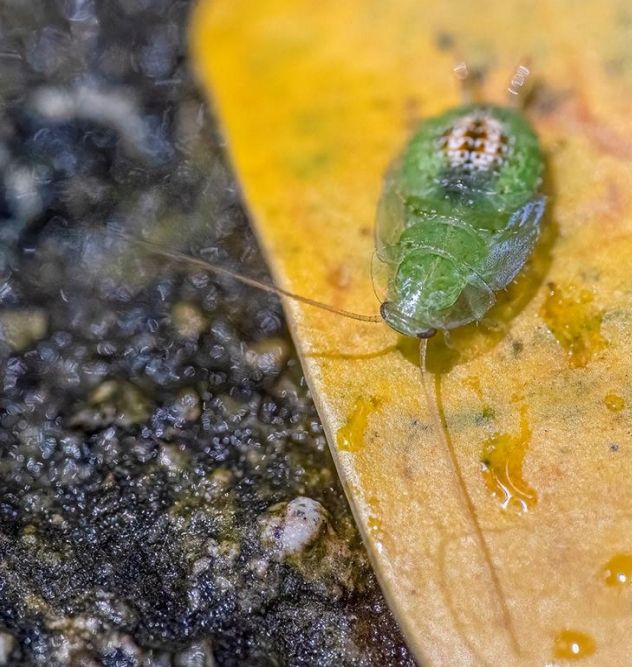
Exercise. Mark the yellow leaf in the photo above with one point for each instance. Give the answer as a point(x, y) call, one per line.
point(316, 98)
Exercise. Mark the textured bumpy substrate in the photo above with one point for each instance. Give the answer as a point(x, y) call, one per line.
point(166, 494)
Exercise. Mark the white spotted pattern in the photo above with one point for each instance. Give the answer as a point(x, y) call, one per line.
point(475, 143)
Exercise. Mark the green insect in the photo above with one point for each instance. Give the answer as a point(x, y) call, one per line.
point(458, 218)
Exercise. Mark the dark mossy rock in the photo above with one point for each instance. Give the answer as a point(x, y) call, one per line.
point(151, 414)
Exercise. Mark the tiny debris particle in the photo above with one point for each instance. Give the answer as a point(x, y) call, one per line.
point(268, 356)
point(7, 643)
point(187, 405)
point(199, 654)
point(188, 320)
point(200, 566)
point(114, 402)
point(297, 528)
point(21, 328)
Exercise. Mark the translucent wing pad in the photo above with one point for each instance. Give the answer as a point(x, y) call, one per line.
point(510, 247)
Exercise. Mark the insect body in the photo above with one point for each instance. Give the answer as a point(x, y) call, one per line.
point(458, 218)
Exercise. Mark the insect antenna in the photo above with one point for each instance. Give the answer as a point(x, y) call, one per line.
point(435, 405)
point(461, 71)
point(157, 249)
point(517, 82)
point(470, 79)
point(462, 74)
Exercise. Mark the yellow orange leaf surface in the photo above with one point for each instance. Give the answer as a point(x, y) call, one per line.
point(315, 99)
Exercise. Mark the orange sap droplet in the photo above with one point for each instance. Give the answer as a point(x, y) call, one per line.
point(575, 323)
point(573, 645)
point(374, 525)
point(351, 435)
point(618, 570)
point(501, 459)
point(614, 403)
point(474, 384)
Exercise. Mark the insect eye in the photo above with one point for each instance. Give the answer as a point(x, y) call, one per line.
point(404, 324)
point(427, 333)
